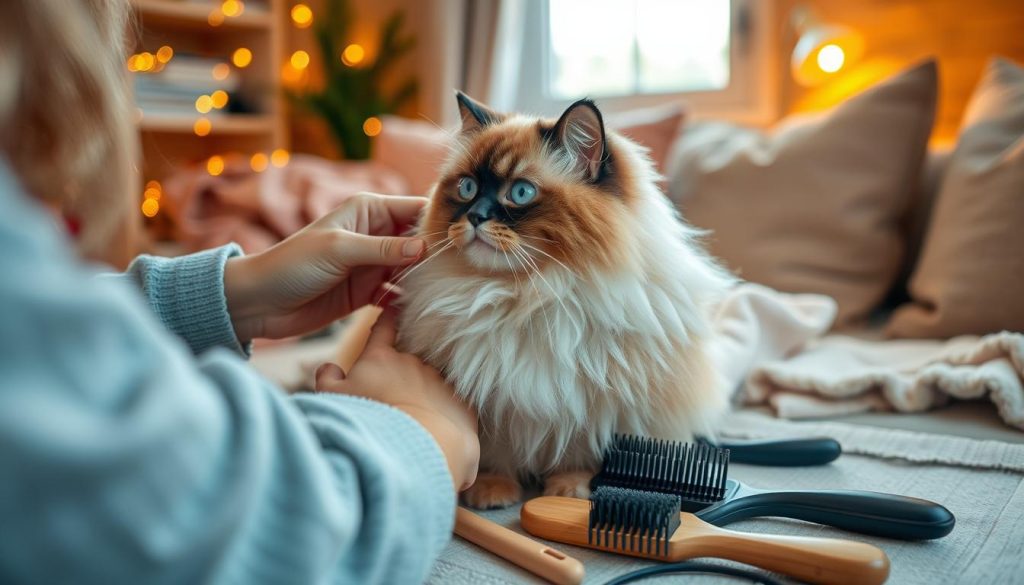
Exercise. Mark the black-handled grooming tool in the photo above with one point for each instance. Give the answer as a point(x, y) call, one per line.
point(698, 473)
point(781, 452)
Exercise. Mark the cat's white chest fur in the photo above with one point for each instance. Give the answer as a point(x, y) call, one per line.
point(557, 362)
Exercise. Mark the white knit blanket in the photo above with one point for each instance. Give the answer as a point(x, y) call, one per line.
point(775, 351)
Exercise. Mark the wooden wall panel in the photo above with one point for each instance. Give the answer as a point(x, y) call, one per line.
point(898, 33)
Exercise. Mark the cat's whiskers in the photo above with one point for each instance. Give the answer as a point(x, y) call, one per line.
point(537, 238)
point(521, 256)
point(569, 270)
point(402, 275)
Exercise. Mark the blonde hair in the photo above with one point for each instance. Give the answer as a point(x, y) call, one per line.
point(66, 116)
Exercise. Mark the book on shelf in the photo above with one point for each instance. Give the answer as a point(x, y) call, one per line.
point(175, 88)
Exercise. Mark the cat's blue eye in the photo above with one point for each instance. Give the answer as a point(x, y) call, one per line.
point(522, 192)
point(467, 188)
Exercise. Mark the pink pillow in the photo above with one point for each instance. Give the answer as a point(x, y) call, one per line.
point(416, 148)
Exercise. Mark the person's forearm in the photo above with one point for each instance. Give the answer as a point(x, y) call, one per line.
point(460, 453)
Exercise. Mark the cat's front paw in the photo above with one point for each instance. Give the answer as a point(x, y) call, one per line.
point(569, 484)
point(492, 491)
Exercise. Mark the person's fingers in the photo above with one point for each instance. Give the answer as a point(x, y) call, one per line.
point(383, 333)
point(328, 374)
point(363, 250)
point(403, 209)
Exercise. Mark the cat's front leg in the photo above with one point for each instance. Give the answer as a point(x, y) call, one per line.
point(493, 490)
point(571, 484)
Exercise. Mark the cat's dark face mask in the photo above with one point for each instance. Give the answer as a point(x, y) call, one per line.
point(521, 192)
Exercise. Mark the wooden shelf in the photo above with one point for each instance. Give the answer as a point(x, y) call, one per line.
point(195, 14)
point(229, 124)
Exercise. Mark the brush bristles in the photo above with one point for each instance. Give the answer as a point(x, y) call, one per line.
point(695, 472)
point(631, 520)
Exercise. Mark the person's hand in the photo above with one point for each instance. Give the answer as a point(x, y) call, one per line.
point(400, 379)
point(323, 272)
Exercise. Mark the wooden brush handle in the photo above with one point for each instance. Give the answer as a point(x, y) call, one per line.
point(815, 560)
point(546, 562)
point(354, 336)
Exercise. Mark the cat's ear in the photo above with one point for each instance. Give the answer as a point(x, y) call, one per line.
point(474, 114)
point(580, 133)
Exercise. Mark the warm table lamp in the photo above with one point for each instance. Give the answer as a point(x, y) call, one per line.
point(822, 49)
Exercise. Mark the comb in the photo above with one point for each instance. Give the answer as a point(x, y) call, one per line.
point(698, 474)
point(650, 525)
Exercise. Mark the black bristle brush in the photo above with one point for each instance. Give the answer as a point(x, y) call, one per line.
point(650, 525)
point(698, 474)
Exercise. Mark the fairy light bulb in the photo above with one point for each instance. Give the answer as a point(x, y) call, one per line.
point(353, 55)
point(241, 57)
point(202, 127)
point(232, 8)
point(299, 60)
point(221, 71)
point(150, 207)
point(219, 99)
point(215, 165)
point(164, 54)
point(259, 162)
point(279, 157)
point(204, 104)
point(302, 16)
point(372, 126)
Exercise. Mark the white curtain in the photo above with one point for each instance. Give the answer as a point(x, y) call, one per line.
point(471, 45)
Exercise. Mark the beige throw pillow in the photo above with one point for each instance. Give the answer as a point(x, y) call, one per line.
point(814, 205)
point(970, 278)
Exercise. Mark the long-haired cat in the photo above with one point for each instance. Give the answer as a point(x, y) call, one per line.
point(562, 296)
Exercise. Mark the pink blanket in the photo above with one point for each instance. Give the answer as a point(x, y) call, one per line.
point(257, 210)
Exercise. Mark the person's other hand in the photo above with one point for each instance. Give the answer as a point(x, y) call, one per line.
point(384, 374)
point(324, 271)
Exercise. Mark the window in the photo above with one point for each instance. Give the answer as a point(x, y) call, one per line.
point(623, 47)
point(718, 56)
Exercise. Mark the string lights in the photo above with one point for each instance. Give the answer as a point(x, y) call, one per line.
point(151, 199)
point(241, 57)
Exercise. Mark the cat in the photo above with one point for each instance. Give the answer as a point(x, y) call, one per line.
point(562, 296)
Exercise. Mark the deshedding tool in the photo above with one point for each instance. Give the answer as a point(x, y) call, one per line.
point(650, 525)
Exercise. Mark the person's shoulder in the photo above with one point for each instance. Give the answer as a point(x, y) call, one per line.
point(25, 227)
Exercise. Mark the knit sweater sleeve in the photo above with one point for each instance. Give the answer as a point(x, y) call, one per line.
point(187, 294)
point(127, 459)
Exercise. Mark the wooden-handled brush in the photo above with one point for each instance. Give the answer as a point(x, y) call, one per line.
point(539, 559)
point(650, 525)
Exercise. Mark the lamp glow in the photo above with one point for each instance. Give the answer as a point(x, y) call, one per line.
point(831, 58)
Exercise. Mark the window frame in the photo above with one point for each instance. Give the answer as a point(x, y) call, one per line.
point(750, 97)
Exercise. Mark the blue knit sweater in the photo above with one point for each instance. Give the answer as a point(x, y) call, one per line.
point(136, 446)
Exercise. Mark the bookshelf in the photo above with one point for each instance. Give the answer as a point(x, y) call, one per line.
point(255, 119)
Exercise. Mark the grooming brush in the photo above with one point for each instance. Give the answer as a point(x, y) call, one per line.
point(698, 473)
point(541, 560)
point(781, 452)
point(650, 525)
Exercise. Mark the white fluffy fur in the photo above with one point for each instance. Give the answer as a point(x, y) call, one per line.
point(558, 363)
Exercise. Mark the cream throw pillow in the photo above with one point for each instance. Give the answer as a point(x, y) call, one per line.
point(970, 278)
point(814, 205)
